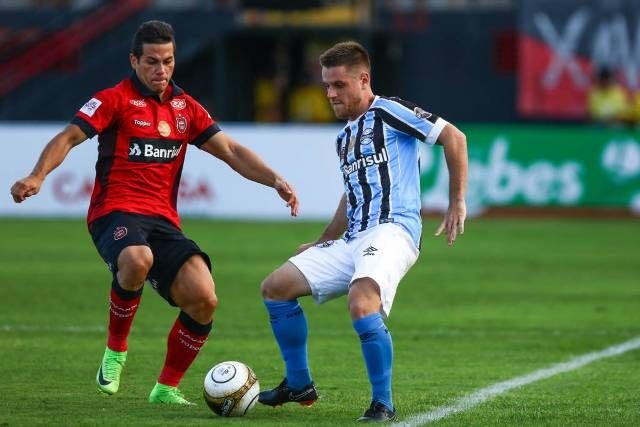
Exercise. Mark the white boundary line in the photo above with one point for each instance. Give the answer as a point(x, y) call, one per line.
point(61, 328)
point(482, 395)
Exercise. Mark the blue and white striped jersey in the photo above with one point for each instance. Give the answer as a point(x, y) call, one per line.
point(379, 160)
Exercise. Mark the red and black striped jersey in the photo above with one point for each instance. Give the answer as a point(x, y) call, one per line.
point(141, 147)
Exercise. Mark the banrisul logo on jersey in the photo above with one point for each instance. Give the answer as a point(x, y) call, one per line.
point(365, 161)
point(154, 150)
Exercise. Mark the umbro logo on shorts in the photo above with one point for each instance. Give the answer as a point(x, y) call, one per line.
point(370, 251)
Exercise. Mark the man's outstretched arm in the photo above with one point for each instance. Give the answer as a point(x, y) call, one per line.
point(51, 157)
point(251, 166)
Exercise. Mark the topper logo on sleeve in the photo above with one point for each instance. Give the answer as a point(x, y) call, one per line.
point(90, 107)
point(143, 150)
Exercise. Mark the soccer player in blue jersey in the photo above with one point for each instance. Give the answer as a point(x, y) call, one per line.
point(374, 236)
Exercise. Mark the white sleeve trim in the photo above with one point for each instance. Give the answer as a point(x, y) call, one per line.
point(435, 131)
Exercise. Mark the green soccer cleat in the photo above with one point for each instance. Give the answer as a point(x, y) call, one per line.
point(167, 394)
point(108, 378)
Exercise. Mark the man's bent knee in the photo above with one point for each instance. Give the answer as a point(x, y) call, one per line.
point(134, 263)
point(193, 290)
point(364, 298)
point(285, 283)
point(202, 310)
point(269, 287)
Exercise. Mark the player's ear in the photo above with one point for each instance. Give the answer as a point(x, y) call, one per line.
point(133, 60)
point(365, 79)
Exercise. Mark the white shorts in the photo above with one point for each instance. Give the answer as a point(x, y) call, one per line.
point(384, 253)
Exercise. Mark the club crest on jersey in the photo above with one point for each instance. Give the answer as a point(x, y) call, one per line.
point(367, 136)
point(421, 114)
point(138, 103)
point(179, 103)
point(181, 124)
point(119, 233)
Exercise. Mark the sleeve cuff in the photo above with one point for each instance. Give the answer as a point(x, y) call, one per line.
point(85, 126)
point(435, 131)
point(205, 135)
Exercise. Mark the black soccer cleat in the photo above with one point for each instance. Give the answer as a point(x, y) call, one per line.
point(377, 413)
point(283, 394)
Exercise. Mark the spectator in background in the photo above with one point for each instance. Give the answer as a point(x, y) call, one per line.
point(608, 102)
point(307, 101)
point(268, 94)
point(635, 109)
point(271, 86)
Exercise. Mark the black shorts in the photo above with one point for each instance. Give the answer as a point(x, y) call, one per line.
point(170, 247)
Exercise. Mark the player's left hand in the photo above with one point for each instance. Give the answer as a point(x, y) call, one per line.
point(288, 194)
point(453, 222)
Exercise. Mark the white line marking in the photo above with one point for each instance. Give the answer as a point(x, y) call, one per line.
point(49, 328)
point(469, 401)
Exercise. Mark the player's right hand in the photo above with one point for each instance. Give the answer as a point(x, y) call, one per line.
point(453, 223)
point(25, 187)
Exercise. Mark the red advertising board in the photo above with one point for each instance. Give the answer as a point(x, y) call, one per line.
point(563, 44)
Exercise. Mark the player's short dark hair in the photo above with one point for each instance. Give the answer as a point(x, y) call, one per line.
point(155, 32)
point(347, 53)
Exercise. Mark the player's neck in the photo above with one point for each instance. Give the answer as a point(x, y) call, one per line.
point(370, 98)
point(166, 93)
point(364, 106)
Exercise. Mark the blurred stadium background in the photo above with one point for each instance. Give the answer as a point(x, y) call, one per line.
point(514, 295)
point(516, 76)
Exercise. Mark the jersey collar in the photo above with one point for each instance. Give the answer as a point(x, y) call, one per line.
point(174, 89)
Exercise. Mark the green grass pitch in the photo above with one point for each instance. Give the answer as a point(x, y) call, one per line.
point(512, 297)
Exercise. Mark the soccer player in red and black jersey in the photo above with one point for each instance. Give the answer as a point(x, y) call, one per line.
point(144, 125)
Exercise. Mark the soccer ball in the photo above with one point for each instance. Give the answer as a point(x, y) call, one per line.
point(231, 389)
